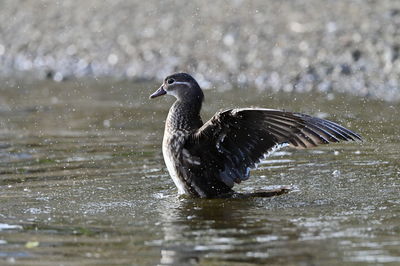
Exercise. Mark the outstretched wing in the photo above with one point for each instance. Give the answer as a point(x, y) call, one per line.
point(234, 141)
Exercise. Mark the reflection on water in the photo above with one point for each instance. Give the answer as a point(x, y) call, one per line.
point(220, 230)
point(82, 181)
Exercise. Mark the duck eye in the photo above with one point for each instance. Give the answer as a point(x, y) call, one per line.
point(170, 81)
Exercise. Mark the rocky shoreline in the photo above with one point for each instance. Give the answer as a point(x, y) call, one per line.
point(343, 46)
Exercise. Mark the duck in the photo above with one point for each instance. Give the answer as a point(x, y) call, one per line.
point(206, 160)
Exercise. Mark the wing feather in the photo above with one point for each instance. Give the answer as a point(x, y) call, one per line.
point(235, 140)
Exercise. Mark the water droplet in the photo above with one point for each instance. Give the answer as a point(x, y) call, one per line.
point(106, 123)
point(112, 59)
point(229, 40)
point(336, 173)
point(58, 77)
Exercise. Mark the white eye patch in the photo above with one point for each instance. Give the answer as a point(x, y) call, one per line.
point(173, 92)
point(182, 83)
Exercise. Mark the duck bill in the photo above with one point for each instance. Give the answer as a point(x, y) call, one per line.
point(158, 92)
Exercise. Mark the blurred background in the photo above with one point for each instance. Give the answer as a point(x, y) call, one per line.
point(345, 46)
point(82, 177)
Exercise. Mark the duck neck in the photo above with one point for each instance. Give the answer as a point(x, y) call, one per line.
point(184, 116)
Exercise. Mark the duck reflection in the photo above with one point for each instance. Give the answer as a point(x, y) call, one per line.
point(199, 228)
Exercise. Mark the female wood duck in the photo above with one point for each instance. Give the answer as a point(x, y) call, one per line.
point(206, 159)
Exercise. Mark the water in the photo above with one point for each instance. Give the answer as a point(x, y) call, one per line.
point(82, 181)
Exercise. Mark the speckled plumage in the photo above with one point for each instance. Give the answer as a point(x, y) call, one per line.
point(206, 160)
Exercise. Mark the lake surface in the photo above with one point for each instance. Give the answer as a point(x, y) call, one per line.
point(83, 182)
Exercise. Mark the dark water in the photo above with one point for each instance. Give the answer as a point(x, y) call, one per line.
point(82, 182)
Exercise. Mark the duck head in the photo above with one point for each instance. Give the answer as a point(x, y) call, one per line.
point(182, 86)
